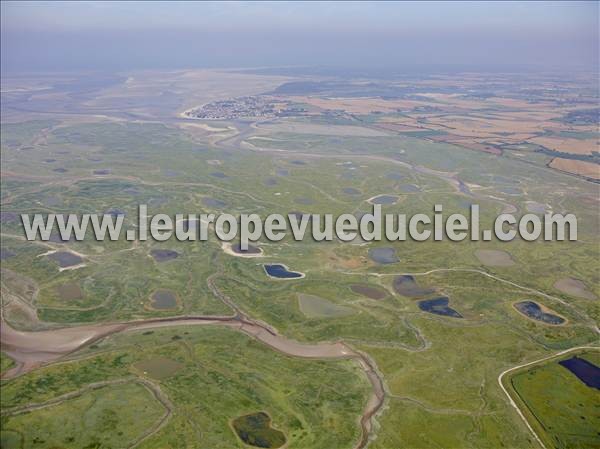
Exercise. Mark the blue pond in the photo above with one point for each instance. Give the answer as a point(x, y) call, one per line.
point(439, 306)
point(535, 312)
point(280, 271)
point(586, 371)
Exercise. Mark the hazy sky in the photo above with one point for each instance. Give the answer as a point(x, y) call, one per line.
point(135, 35)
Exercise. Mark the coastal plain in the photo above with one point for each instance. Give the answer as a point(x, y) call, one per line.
point(296, 344)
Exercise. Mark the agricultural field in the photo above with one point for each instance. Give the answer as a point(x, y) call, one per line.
point(343, 344)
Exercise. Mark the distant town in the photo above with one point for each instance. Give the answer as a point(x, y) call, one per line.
point(252, 106)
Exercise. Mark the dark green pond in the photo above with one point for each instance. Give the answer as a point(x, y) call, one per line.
point(255, 430)
point(164, 299)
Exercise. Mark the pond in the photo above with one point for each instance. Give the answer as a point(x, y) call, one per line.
point(163, 255)
point(65, 259)
point(255, 430)
point(52, 201)
point(316, 307)
point(6, 254)
point(534, 311)
point(494, 258)
point(383, 255)
point(586, 371)
point(163, 299)
point(574, 287)
point(170, 173)
point(383, 199)
point(280, 271)
point(351, 191)
point(439, 306)
point(69, 291)
point(218, 174)
point(535, 207)
point(370, 291)
point(159, 367)
point(9, 217)
point(212, 202)
point(406, 285)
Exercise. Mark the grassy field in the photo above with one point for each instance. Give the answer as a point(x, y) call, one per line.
point(560, 406)
point(112, 416)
